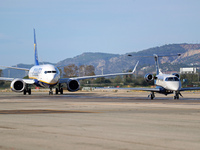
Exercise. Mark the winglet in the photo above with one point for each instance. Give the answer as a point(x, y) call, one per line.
point(35, 49)
point(135, 67)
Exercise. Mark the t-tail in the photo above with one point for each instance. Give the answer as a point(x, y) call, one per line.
point(156, 61)
point(157, 65)
point(35, 49)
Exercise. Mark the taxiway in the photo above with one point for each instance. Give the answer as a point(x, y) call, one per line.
point(99, 121)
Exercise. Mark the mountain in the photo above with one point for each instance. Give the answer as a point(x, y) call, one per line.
point(112, 63)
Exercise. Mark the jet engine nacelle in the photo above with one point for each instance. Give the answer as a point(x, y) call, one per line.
point(73, 85)
point(149, 77)
point(17, 85)
point(176, 74)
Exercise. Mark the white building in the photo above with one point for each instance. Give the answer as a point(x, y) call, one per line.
point(188, 70)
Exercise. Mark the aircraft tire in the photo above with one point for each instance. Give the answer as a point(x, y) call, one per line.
point(61, 91)
point(56, 91)
point(50, 92)
point(29, 91)
point(152, 96)
point(24, 91)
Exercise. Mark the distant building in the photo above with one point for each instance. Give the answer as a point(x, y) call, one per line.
point(188, 70)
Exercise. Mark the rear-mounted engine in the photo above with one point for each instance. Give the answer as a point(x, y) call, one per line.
point(148, 77)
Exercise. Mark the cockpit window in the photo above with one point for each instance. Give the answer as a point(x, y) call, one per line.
point(176, 79)
point(172, 79)
point(50, 72)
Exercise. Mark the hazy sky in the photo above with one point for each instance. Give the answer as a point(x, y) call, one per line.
point(67, 28)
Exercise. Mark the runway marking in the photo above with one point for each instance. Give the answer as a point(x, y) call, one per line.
point(42, 111)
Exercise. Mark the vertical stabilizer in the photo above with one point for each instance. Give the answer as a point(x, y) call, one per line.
point(157, 66)
point(35, 49)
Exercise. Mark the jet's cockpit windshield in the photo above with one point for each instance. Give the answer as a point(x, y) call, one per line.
point(172, 79)
point(50, 72)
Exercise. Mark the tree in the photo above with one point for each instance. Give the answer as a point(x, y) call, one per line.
point(128, 79)
point(74, 71)
point(81, 70)
point(86, 70)
point(190, 78)
point(118, 79)
point(102, 80)
point(1, 72)
point(71, 71)
point(89, 70)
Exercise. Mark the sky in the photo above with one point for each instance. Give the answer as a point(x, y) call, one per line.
point(67, 28)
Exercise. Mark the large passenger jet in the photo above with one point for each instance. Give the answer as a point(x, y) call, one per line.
point(48, 76)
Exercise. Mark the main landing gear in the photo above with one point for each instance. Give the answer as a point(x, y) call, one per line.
point(176, 94)
point(27, 90)
point(152, 95)
point(59, 89)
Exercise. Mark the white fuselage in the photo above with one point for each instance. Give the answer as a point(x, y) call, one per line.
point(45, 74)
point(169, 82)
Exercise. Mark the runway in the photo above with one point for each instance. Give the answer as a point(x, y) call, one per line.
point(99, 121)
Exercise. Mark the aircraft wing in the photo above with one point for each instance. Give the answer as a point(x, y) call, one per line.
point(64, 80)
point(15, 68)
point(190, 88)
point(137, 89)
point(6, 79)
point(27, 81)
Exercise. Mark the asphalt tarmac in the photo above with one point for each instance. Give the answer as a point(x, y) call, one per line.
point(109, 120)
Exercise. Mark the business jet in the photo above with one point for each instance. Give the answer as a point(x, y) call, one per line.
point(165, 83)
point(48, 76)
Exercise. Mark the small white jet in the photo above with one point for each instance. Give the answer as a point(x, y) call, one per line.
point(165, 83)
point(48, 76)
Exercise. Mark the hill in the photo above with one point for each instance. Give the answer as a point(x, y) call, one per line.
point(112, 63)
point(117, 63)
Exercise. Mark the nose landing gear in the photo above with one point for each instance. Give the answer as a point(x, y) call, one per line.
point(50, 92)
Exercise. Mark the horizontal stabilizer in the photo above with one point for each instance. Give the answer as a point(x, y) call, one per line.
point(155, 55)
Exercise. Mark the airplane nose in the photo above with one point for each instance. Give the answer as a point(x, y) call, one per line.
point(53, 79)
point(175, 86)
